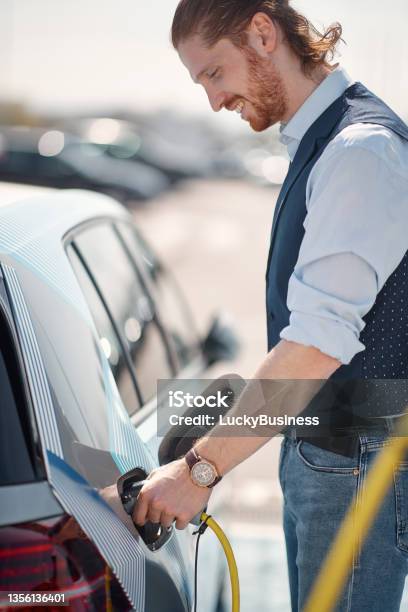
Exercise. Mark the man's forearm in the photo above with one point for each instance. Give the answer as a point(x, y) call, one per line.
point(287, 361)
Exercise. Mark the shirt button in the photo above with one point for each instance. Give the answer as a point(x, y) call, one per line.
point(356, 472)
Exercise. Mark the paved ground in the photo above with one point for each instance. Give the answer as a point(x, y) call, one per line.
point(214, 235)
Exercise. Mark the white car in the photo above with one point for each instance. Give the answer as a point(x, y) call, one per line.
point(89, 321)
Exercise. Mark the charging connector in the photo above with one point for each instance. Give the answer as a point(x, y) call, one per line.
point(155, 535)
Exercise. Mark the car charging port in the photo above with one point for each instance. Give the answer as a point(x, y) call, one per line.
point(129, 485)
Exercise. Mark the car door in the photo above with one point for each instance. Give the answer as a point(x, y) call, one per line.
point(138, 353)
point(126, 273)
point(191, 366)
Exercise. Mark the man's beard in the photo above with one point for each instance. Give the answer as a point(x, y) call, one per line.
point(266, 92)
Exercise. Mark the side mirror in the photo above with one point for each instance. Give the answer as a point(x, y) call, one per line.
point(221, 342)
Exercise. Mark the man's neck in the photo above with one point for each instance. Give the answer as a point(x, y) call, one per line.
point(299, 87)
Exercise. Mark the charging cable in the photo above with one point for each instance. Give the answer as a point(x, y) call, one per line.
point(155, 536)
point(208, 521)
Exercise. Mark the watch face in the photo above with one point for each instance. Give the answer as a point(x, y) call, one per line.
point(203, 474)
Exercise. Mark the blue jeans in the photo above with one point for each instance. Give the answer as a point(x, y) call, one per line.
point(318, 487)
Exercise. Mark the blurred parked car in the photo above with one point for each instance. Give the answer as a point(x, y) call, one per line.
point(58, 159)
point(89, 320)
point(123, 140)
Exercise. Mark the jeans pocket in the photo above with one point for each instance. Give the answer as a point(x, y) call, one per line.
point(282, 455)
point(401, 505)
point(322, 460)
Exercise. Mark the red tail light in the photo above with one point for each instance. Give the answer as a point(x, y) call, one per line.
point(55, 556)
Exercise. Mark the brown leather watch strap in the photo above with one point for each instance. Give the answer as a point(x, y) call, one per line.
point(192, 458)
point(216, 481)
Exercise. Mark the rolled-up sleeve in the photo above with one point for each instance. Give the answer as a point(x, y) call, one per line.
point(355, 237)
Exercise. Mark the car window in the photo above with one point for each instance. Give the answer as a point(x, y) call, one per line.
point(109, 340)
point(171, 306)
point(15, 463)
point(131, 307)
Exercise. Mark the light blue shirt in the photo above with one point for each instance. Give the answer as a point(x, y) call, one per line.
point(356, 227)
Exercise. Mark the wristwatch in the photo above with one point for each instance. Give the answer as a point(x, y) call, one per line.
point(202, 472)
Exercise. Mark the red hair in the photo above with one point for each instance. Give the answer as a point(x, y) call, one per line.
point(216, 19)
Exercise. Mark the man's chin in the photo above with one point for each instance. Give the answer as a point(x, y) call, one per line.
point(258, 125)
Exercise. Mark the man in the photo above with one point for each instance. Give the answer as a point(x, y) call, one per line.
point(336, 282)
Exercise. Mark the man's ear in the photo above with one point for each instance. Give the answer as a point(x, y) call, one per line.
point(262, 34)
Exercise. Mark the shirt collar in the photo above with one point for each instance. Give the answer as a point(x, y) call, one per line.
point(333, 86)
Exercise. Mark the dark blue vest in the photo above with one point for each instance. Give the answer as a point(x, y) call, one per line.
point(386, 332)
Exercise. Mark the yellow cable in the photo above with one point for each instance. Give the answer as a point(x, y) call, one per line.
point(232, 566)
point(333, 575)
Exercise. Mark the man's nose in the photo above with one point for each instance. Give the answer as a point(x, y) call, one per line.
point(216, 99)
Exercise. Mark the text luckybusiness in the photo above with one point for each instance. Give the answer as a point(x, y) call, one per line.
point(261, 420)
point(179, 399)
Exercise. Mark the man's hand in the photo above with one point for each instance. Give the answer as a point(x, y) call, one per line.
point(170, 495)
